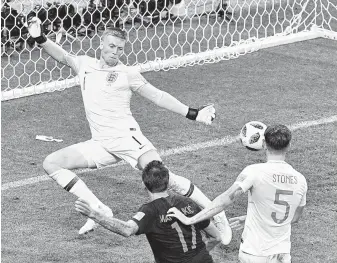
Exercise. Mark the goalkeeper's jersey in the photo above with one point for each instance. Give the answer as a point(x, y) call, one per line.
point(276, 189)
point(106, 95)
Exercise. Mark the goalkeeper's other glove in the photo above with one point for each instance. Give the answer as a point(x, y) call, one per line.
point(205, 114)
point(35, 29)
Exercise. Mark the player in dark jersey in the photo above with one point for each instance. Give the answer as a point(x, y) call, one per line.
point(170, 240)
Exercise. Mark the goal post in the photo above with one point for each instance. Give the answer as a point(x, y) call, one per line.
point(161, 35)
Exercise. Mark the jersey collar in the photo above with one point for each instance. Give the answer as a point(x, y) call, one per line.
point(276, 161)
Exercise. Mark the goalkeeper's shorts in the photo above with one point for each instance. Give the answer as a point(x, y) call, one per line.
point(107, 152)
point(277, 258)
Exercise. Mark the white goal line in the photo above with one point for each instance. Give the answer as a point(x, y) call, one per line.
point(227, 140)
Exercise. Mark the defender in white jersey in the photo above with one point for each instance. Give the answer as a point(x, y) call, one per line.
point(107, 86)
point(276, 199)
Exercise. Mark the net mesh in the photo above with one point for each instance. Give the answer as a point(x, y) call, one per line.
point(161, 34)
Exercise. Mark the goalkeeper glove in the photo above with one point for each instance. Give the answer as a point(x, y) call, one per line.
point(35, 29)
point(205, 114)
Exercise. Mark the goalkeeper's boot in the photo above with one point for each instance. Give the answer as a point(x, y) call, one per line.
point(222, 224)
point(91, 225)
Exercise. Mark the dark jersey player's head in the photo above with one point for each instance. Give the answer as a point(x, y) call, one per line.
point(277, 137)
point(156, 177)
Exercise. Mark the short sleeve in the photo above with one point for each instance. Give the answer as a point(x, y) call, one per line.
point(303, 200)
point(304, 196)
point(144, 218)
point(247, 178)
point(136, 80)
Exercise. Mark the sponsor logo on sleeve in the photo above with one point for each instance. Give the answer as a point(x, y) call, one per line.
point(139, 216)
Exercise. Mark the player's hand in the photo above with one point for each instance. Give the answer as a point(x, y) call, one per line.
point(85, 208)
point(206, 114)
point(237, 223)
point(174, 212)
point(34, 26)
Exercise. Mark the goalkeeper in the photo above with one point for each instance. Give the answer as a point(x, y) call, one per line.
point(107, 86)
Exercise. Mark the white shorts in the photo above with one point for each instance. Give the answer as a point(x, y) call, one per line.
point(277, 258)
point(107, 152)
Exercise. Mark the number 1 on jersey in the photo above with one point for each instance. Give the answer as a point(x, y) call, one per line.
point(176, 226)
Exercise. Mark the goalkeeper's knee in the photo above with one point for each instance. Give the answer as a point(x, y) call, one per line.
point(51, 165)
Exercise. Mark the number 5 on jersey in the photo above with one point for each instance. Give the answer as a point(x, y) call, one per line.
point(281, 202)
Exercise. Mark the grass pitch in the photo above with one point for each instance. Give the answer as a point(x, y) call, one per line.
point(287, 84)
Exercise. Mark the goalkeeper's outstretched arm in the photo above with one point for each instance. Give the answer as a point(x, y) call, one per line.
point(60, 55)
point(55, 51)
point(204, 114)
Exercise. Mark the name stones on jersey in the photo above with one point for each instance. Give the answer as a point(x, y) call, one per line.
point(284, 179)
point(111, 77)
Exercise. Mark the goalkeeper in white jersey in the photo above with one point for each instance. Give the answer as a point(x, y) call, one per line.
point(107, 86)
point(276, 199)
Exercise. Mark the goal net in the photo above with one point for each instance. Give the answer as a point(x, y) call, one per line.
point(162, 34)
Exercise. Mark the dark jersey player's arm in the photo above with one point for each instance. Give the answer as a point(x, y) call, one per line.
point(140, 223)
point(115, 225)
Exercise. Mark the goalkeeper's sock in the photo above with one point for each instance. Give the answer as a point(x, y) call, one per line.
point(73, 184)
point(183, 186)
point(199, 197)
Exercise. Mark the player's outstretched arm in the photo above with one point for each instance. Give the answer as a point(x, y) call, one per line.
point(54, 50)
point(117, 226)
point(204, 114)
point(217, 205)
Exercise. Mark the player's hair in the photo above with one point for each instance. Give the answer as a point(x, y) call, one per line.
point(277, 137)
point(155, 177)
point(114, 31)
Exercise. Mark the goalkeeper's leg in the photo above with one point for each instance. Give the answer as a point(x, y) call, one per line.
point(183, 186)
point(58, 166)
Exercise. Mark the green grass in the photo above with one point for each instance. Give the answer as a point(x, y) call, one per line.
point(287, 84)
